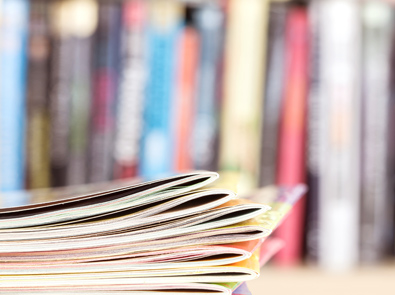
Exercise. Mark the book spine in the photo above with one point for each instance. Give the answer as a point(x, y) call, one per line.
point(273, 93)
point(210, 23)
point(85, 22)
point(164, 28)
point(242, 101)
point(291, 149)
point(105, 91)
point(340, 109)
point(59, 90)
point(15, 16)
point(2, 197)
point(185, 97)
point(391, 145)
point(132, 89)
point(314, 125)
point(378, 22)
point(37, 131)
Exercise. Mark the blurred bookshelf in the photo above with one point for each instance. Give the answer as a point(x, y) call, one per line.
point(265, 92)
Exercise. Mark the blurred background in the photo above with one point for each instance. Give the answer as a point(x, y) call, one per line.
point(265, 92)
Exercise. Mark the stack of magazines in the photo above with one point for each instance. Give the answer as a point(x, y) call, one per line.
point(177, 235)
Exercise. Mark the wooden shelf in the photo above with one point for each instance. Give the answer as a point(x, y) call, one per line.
point(368, 280)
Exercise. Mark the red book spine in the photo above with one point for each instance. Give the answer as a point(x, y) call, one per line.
point(185, 102)
point(291, 155)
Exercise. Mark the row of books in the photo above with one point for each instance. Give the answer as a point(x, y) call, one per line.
point(104, 90)
point(327, 121)
point(265, 92)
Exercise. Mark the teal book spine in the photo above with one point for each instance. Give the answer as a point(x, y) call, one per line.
point(158, 140)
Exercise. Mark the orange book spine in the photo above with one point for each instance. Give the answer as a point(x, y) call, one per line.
point(185, 102)
point(291, 153)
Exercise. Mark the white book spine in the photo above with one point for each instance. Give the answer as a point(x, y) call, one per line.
point(340, 138)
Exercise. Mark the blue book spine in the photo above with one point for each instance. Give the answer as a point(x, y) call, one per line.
point(12, 97)
point(158, 133)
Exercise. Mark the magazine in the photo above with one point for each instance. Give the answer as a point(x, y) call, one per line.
point(170, 235)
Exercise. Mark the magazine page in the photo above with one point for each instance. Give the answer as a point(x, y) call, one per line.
point(103, 201)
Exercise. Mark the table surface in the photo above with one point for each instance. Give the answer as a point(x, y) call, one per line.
point(304, 280)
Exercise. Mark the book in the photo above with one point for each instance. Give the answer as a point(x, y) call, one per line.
point(273, 93)
point(37, 131)
point(391, 144)
point(210, 23)
point(185, 99)
point(132, 88)
point(14, 25)
point(377, 26)
point(292, 131)
point(159, 232)
point(59, 89)
point(85, 18)
point(340, 142)
point(314, 129)
point(245, 52)
point(164, 28)
point(105, 81)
